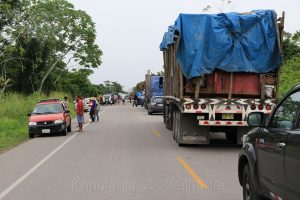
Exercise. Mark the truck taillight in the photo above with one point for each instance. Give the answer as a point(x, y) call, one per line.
point(268, 107)
point(188, 106)
point(253, 107)
point(260, 107)
point(203, 106)
point(196, 106)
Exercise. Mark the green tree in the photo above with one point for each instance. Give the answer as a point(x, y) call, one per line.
point(289, 74)
point(291, 45)
point(44, 38)
point(8, 10)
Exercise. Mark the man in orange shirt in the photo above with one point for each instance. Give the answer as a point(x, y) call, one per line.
point(79, 112)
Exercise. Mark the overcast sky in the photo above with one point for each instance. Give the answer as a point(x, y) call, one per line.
point(129, 31)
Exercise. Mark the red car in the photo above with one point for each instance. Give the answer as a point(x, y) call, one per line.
point(49, 116)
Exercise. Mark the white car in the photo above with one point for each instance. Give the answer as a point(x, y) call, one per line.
point(86, 102)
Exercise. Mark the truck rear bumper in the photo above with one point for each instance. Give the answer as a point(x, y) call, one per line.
point(222, 123)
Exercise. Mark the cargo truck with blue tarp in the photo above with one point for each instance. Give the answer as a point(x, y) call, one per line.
point(218, 68)
point(154, 87)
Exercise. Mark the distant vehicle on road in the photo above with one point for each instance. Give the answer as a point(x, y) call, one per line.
point(140, 98)
point(107, 99)
point(156, 105)
point(86, 102)
point(154, 86)
point(49, 116)
point(269, 160)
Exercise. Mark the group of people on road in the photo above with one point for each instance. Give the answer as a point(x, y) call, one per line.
point(79, 108)
point(94, 109)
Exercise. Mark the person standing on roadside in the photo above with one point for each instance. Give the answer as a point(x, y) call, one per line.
point(93, 106)
point(79, 113)
point(123, 100)
point(66, 102)
point(97, 110)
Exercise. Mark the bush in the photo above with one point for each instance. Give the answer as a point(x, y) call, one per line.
point(289, 75)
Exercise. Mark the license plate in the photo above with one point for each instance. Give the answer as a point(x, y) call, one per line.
point(45, 130)
point(227, 116)
point(200, 117)
point(160, 104)
point(195, 138)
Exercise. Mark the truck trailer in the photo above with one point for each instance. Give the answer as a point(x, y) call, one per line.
point(153, 87)
point(217, 69)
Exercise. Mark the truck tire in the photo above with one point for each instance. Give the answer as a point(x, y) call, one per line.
point(178, 128)
point(249, 192)
point(164, 113)
point(169, 117)
point(31, 135)
point(174, 133)
point(172, 110)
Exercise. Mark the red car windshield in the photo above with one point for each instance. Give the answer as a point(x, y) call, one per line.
point(47, 109)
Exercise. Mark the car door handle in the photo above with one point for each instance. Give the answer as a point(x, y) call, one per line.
point(281, 144)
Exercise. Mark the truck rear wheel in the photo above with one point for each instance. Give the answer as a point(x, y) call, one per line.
point(178, 130)
point(174, 131)
point(169, 117)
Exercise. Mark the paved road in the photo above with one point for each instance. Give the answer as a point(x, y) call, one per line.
point(127, 155)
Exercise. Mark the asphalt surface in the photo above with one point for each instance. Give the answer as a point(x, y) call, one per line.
point(127, 155)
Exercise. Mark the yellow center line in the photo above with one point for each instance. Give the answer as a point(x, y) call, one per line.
point(193, 174)
point(156, 132)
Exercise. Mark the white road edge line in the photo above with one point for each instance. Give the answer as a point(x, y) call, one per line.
point(34, 168)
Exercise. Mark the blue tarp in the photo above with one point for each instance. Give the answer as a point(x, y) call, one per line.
point(139, 93)
point(169, 38)
point(157, 87)
point(230, 42)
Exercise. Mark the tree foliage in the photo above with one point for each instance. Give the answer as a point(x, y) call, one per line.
point(291, 45)
point(290, 71)
point(290, 74)
point(40, 39)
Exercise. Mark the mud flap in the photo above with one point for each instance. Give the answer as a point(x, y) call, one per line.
point(189, 131)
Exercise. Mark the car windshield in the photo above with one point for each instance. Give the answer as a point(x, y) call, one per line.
point(87, 100)
point(157, 100)
point(47, 109)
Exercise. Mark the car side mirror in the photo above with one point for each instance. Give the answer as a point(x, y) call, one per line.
point(28, 114)
point(255, 119)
